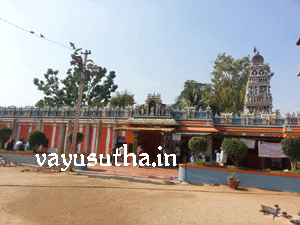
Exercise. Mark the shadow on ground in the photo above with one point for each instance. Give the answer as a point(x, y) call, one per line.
point(130, 179)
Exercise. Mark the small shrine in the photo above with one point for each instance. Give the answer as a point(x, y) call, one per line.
point(153, 107)
point(258, 98)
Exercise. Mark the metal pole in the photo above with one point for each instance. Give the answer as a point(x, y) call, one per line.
point(78, 107)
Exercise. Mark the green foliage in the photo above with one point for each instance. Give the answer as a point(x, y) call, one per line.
point(36, 138)
point(291, 148)
point(5, 133)
point(191, 96)
point(64, 92)
point(228, 88)
point(200, 162)
point(235, 149)
point(233, 176)
point(198, 144)
point(79, 138)
point(122, 99)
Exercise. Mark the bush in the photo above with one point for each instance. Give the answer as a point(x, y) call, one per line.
point(235, 149)
point(79, 138)
point(5, 133)
point(200, 162)
point(36, 138)
point(198, 144)
point(291, 148)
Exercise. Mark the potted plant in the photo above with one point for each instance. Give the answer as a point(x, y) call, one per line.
point(233, 181)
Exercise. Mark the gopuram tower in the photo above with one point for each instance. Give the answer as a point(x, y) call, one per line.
point(258, 98)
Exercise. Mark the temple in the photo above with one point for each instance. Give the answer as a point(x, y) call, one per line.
point(154, 124)
point(258, 97)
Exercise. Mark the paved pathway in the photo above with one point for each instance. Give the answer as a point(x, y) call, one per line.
point(135, 171)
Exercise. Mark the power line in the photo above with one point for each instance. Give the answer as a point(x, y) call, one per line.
point(32, 32)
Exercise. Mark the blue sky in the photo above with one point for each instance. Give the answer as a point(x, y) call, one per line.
point(154, 46)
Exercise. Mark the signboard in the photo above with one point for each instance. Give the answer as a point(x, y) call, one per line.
point(176, 137)
point(249, 143)
point(273, 150)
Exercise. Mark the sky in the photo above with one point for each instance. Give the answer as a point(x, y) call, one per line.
point(153, 46)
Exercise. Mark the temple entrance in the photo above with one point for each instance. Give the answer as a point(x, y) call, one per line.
point(150, 142)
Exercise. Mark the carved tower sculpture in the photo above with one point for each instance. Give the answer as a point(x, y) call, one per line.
point(258, 98)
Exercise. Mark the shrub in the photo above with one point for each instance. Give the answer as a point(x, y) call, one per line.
point(200, 162)
point(291, 148)
point(198, 144)
point(79, 138)
point(5, 133)
point(36, 138)
point(235, 149)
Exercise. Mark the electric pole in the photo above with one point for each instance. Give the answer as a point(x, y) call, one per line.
point(78, 59)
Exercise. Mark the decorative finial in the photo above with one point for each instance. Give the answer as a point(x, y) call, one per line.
point(254, 50)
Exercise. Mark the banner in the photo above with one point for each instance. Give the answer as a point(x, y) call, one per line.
point(176, 137)
point(272, 150)
point(249, 143)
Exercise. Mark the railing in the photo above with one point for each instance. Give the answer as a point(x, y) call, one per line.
point(176, 114)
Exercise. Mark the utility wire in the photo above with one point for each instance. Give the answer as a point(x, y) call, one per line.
point(32, 32)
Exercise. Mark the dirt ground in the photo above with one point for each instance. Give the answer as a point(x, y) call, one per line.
point(65, 198)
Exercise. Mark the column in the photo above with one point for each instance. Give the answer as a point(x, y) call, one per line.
point(61, 138)
point(86, 139)
point(53, 135)
point(80, 130)
point(107, 140)
point(68, 129)
point(15, 127)
point(135, 142)
point(93, 139)
point(39, 125)
point(99, 128)
point(114, 138)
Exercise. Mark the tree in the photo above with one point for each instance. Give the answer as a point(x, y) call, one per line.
point(191, 96)
point(198, 144)
point(291, 148)
point(122, 99)
point(235, 149)
point(228, 88)
point(36, 138)
point(79, 139)
point(64, 92)
point(5, 133)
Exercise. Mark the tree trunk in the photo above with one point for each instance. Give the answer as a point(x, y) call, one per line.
point(236, 162)
point(293, 164)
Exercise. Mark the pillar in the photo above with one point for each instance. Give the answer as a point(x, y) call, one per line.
point(262, 163)
point(86, 139)
point(61, 138)
point(68, 129)
point(114, 138)
point(39, 125)
point(99, 128)
point(15, 128)
point(135, 142)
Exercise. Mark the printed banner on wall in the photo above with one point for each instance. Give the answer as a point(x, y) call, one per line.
point(249, 143)
point(176, 137)
point(273, 150)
